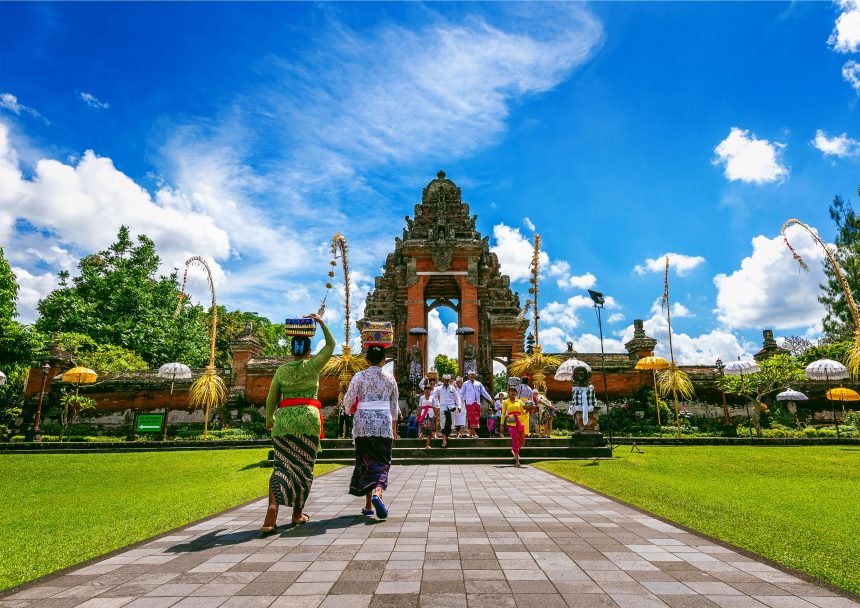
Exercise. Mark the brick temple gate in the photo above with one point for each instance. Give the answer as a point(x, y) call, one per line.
point(442, 260)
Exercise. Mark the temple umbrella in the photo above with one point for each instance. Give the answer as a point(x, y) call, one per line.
point(173, 371)
point(791, 396)
point(654, 364)
point(742, 368)
point(827, 370)
point(2, 378)
point(565, 370)
point(843, 394)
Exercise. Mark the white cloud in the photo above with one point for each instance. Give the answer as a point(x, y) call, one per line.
point(515, 252)
point(679, 262)
point(93, 101)
point(851, 74)
point(616, 317)
point(845, 37)
point(750, 160)
point(565, 280)
point(441, 338)
point(529, 224)
point(838, 145)
point(770, 290)
point(31, 289)
point(10, 102)
point(564, 314)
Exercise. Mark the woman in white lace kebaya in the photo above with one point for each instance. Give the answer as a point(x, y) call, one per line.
point(373, 398)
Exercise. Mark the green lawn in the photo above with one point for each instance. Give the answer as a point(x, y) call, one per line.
point(799, 506)
point(62, 509)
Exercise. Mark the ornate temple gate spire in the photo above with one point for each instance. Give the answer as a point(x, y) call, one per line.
point(442, 260)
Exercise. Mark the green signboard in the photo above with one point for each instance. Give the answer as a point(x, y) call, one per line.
point(149, 423)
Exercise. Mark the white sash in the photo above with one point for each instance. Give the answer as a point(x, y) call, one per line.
point(374, 405)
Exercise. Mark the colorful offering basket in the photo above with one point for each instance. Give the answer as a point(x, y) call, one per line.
point(300, 327)
point(377, 333)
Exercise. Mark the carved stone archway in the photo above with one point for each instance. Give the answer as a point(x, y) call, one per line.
point(442, 258)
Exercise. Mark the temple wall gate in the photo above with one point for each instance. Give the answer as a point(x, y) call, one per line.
point(442, 260)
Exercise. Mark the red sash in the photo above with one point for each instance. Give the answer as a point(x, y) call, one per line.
point(306, 401)
point(423, 413)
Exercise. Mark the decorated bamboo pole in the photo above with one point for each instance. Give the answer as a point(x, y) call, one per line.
point(853, 356)
point(537, 361)
point(346, 364)
point(673, 380)
point(208, 390)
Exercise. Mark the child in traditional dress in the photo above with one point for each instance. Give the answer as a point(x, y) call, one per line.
point(491, 421)
point(427, 405)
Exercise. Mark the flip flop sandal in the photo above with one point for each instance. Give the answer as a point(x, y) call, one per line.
point(381, 509)
point(367, 511)
point(267, 530)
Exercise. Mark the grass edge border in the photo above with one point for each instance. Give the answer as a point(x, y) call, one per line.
point(806, 577)
point(63, 571)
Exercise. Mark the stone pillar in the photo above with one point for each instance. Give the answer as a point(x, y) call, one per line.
point(468, 318)
point(416, 316)
point(640, 345)
point(769, 347)
point(243, 349)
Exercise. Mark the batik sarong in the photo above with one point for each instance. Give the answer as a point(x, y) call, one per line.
point(293, 471)
point(473, 412)
point(372, 463)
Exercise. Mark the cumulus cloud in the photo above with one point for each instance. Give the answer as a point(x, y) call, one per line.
point(10, 102)
point(441, 338)
point(564, 314)
point(682, 264)
point(840, 146)
point(560, 270)
point(515, 252)
point(845, 37)
point(749, 159)
point(769, 290)
point(93, 101)
point(31, 289)
point(616, 317)
point(851, 74)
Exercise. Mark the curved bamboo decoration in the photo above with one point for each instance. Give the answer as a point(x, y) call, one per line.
point(345, 365)
point(673, 381)
point(852, 358)
point(537, 361)
point(208, 390)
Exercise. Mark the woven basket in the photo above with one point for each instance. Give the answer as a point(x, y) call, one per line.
point(300, 327)
point(377, 333)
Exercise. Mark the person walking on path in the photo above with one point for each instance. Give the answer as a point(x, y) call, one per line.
point(448, 399)
point(512, 412)
point(528, 395)
point(470, 395)
point(294, 416)
point(373, 402)
point(427, 407)
point(497, 408)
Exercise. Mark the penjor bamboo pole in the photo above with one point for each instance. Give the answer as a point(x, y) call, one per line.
point(671, 351)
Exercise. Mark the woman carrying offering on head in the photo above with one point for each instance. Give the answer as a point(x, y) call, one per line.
point(372, 397)
point(512, 413)
point(294, 416)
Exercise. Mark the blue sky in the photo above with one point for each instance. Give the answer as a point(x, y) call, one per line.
point(250, 133)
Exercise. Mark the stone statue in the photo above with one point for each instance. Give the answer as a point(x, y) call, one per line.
point(583, 406)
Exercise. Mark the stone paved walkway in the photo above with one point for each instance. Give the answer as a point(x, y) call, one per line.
point(458, 536)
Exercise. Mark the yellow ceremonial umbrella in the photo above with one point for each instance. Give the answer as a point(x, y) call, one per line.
point(654, 364)
point(80, 375)
point(842, 394)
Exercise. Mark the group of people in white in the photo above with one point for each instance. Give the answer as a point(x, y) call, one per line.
point(453, 408)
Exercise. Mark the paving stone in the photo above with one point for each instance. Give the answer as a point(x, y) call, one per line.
point(458, 537)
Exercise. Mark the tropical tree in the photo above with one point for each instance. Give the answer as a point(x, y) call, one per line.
point(119, 299)
point(838, 323)
point(102, 357)
point(777, 373)
point(444, 364)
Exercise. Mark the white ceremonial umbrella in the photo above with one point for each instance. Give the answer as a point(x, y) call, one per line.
point(791, 395)
point(2, 378)
point(175, 371)
point(565, 370)
point(742, 368)
point(826, 369)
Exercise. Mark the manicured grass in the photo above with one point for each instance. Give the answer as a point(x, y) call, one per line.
point(799, 506)
point(63, 509)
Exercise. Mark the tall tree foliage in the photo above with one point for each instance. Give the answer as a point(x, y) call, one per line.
point(444, 364)
point(231, 325)
point(19, 346)
point(837, 323)
point(119, 299)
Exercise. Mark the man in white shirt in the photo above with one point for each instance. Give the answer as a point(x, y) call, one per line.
point(449, 402)
point(470, 394)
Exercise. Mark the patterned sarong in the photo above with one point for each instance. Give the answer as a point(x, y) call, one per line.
point(293, 472)
point(473, 411)
point(372, 462)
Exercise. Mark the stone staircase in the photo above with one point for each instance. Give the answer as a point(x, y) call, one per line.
point(476, 451)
